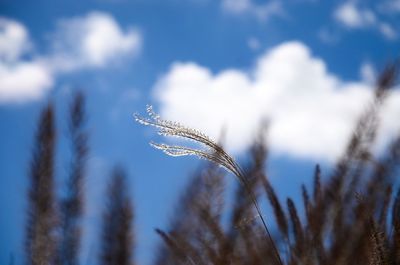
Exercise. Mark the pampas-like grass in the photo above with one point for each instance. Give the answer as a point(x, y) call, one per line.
point(211, 152)
point(42, 215)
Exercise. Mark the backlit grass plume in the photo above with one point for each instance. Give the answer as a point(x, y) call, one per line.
point(209, 150)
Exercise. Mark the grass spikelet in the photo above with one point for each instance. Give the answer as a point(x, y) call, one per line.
point(294, 217)
point(176, 249)
point(317, 183)
point(277, 207)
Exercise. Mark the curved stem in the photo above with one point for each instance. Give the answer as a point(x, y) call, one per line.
point(254, 201)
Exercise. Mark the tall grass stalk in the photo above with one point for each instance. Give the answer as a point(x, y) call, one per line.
point(211, 151)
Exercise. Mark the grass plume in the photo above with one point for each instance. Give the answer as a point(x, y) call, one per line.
point(42, 217)
point(72, 204)
point(211, 152)
point(117, 231)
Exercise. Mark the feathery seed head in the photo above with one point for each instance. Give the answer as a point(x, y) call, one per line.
point(211, 151)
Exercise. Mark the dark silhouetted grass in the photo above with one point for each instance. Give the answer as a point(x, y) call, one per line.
point(350, 215)
point(42, 218)
point(72, 205)
point(117, 230)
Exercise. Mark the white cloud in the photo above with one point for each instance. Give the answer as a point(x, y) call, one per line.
point(91, 41)
point(13, 39)
point(23, 81)
point(353, 17)
point(311, 111)
point(260, 11)
point(20, 80)
point(94, 40)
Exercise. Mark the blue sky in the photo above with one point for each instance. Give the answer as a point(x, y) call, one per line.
point(209, 64)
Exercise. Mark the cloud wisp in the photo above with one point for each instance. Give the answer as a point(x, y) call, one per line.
point(311, 112)
point(390, 6)
point(351, 16)
point(247, 7)
point(88, 42)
